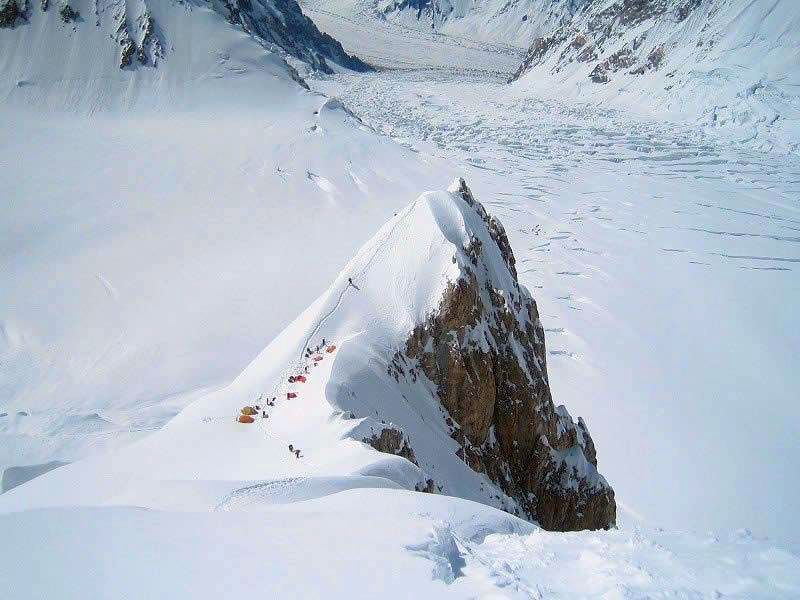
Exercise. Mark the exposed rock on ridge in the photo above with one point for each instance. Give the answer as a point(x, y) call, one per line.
point(282, 22)
point(612, 37)
point(483, 350)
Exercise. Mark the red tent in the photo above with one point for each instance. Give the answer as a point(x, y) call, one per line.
point(246, 419)
point(291, 395)
point(300, 378)
point(318, 358)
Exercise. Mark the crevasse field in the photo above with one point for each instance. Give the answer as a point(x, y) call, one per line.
point(172, 239)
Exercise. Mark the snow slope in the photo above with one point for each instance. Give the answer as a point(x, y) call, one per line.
point(350, 396)
point(490, 21)
point(231, 508)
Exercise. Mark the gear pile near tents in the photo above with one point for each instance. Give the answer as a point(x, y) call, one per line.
point(315, 355)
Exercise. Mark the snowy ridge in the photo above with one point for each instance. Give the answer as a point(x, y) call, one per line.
point(235, 510)
point(388, 288)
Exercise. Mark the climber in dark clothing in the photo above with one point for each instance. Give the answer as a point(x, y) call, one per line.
point(291, 448)
point(297, 453)
point(263, 414)
point(350, 282)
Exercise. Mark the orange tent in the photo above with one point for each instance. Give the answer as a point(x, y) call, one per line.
point(246, 419)
point(330, 349)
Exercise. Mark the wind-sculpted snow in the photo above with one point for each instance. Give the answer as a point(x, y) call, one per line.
point(348, 393)
point(281, 22)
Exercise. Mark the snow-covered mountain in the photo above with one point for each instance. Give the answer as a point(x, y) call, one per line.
point(174, 194)
point(135, 44)
point(500, 21)
point(730, 64)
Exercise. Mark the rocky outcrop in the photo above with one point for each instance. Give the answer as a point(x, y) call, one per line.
point(138, 38)
point(277, 25)
point(282, 23)
point(392, 441)
point(612, 37)
point(483, 351)
point(9, 13)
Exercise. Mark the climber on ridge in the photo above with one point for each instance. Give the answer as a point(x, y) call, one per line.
point(350, 282)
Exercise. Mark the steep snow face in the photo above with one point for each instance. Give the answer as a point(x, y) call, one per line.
point(731, 64)
point(132, 53)
point(482, 355)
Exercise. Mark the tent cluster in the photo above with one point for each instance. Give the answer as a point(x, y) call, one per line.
point(314, 355)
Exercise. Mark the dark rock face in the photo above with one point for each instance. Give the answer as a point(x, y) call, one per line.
point(392, 441)
point(282, 22)
point(484, 351)
point(9, 13)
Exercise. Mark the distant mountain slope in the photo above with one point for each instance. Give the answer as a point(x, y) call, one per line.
point(282, 23)
point(501, 21)
point(164, 42)
point(734, 64)
point(731, 65)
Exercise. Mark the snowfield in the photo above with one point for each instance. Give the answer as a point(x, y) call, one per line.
point(173, 237)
